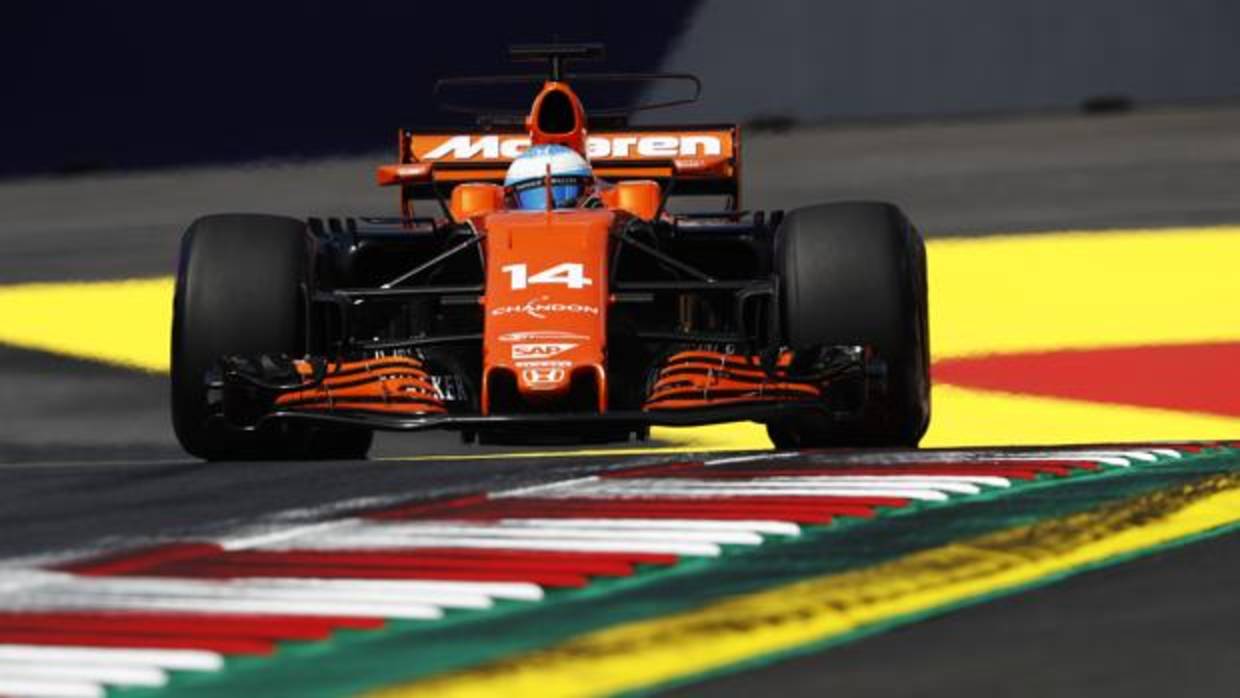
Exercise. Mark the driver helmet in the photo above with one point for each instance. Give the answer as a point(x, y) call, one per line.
point(526, 182)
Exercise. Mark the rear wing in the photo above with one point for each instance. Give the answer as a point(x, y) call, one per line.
point(691, 160)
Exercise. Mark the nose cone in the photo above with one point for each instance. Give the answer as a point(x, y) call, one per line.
point(545, 308)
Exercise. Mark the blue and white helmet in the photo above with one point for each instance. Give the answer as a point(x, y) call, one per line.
point(526, 181)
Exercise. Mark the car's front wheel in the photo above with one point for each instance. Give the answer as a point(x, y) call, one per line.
point(241, 291)
point(854, 274)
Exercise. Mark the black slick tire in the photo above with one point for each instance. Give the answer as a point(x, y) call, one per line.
point(240, 290)
point(854, 273)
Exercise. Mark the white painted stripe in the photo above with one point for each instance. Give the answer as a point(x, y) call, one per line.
point(763, 457)
point(16, 579)
point(1168, 452)
point(912, 482)
point(912, 458)
point(1144, 456)
point(799, 483)
point(1113, 459)
point(538, 490)
point(783, 528)
point(523, 591)
point(915, 458)
point(507, 532)
point(332, 510)
point(483, 543)
point(449, 594)
point(117, 675)
point(84, 600)
point(259, 536)
point(394, 591)
point(49, 688)
point(1069, 453)
point(669, 488)
point(881, 458)
point(920, 480)
point(810, 482)
point(261, 588)
point(1117, 457)
point(181, 660)
point(517, 591)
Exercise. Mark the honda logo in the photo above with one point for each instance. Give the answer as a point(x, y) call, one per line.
point(542, 378)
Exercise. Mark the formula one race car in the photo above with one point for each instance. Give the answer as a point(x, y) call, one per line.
point(554, 297)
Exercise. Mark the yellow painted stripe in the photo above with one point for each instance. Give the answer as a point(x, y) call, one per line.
point(736, 436)
point(646, 653)
point(121, 322)
point(1118, 288)
point(568, 453)
point(967, 417)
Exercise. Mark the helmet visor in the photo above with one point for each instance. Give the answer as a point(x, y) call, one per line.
point(531, 195)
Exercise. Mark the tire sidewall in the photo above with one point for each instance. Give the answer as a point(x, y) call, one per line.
point(854, 273)
point(240, 290)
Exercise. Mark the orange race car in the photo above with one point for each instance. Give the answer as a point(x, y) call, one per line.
point(553, 296)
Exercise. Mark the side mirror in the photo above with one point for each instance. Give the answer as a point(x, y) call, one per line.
point(405, 173)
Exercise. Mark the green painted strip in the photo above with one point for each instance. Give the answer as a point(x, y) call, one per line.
point(897, 621)
point(355, 661)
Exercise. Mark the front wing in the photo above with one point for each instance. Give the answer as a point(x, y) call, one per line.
point(692, 388)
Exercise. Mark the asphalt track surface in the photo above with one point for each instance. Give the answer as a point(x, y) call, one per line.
point(1164, 625)
point(89, 455)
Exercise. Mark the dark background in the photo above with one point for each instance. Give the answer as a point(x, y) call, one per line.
point(91, 86)
point(101, 86)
